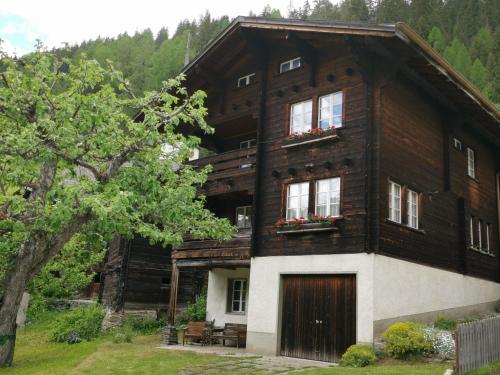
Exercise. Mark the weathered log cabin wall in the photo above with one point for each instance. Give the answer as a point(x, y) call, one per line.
point(417, 152)
point(335, 71)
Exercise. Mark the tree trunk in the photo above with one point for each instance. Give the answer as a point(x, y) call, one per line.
point(32, 256)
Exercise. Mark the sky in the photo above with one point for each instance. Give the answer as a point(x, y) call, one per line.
point(58, 21)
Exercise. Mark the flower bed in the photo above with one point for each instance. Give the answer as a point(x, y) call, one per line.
point(312, 223)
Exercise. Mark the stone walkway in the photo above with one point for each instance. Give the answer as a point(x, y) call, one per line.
point(239, 362)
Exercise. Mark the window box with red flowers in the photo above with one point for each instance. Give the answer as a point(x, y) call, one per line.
point(311, 136)
point(312, 223)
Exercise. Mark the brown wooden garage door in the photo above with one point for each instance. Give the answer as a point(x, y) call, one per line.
point(319, 316)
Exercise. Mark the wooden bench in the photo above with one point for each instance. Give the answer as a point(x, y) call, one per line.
point(195, 330)
point(234, 332)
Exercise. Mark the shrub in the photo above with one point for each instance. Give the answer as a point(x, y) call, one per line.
point(145, 326)
point(358, 356)
point(122, 336)
point(406, 340)
point(82, 324)
point(197, 312)
point(445, 323)
point(37, 308)
point(442, 341)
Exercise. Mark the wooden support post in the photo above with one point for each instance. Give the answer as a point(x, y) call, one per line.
point(169, 336)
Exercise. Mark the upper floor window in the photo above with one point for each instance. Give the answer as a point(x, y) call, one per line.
point(297, 204)
point(246, 80)
point(290, 64)
point(471, 163)
point(301, 117)
point(328, 197)
point(395, 202)
point(248, 143)
point(412, 209)
point(244, 217)
point(471, 231)
point(237, 295)
point(488, 245)
point(330, 110)
point(457, 143)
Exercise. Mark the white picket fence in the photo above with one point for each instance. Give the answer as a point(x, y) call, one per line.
point(477, 344)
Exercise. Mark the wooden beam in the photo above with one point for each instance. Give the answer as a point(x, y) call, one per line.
point(174, 285)
point(307, 52)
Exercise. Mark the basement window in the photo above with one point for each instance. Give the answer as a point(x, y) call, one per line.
point(292, 64)
point(246, 80)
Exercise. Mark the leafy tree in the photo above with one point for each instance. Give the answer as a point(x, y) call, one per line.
point(269, 12)
point(161, 36)
point(436, 39)
point(74, 165)
point(457, 55)
point(478, 74)
point(482, 45)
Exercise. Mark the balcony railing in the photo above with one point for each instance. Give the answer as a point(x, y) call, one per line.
point(213, 253)
point(229, 164)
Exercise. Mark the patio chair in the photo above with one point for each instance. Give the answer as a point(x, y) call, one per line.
point(234, 332)
point(195, 331)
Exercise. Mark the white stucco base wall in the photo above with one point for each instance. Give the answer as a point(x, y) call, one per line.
point(217, 295)
point(264, 313)
point(404, 288)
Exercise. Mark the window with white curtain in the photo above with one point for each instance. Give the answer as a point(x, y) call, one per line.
point(330, 110)
point(395, 202)
point(328, 197)
point(301, 117)
point(297, 204)
point(412, 209)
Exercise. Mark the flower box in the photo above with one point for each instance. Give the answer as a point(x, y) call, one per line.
point(311, 136)
point(309, 225)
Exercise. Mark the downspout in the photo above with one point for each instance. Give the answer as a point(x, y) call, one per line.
point(258, 157)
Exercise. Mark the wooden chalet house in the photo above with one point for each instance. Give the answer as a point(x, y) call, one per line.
point(362, 171)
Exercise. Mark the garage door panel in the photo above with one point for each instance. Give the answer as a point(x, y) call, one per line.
point(319, 313)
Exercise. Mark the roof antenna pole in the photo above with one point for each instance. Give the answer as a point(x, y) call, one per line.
point(290, 8)
point(188, 43)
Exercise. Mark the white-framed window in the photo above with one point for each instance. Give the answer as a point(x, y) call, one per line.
point(328, 197)
point(412, 209)
point(248, 143)
point(301, 117)
point(457, 143)
point(288, 65)
point(244, 217)
point(488, 245)
point(471, 231)
point(479, 235)
point(395, 202)
point(238, 293)
point(246, 80)
point(330, 110)
point(297, 202)
point(471, 162)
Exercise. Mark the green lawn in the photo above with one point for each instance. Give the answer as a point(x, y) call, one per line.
point(35, 355)
point(492, 369)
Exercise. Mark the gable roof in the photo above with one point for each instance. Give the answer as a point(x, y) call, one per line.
point(432, 65)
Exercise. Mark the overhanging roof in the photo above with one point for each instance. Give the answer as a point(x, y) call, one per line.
point(398, 31)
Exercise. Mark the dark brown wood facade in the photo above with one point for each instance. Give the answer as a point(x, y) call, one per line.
point(402, 108)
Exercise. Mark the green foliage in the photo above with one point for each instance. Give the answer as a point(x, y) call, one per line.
point(82, 324)
point(442, 322)
point(406, 340)
point(358, 355)
point(436, 39)
point(37, 308)
point(142, 325)
point(197, 311)
point(122, 336)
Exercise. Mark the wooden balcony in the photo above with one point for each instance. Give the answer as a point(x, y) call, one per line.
point(211, 253)
point(230, 164)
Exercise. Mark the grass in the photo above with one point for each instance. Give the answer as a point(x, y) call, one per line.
point(36, 355)
point(491, 369)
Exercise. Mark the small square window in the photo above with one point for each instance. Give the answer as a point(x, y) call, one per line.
point(244, 217)
point(246, 80)
point(290, 65)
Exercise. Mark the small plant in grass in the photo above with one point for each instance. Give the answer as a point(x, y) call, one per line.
point(358, 355)
point(442, 322)
point(145, 326)
point(82, 324)
point(122, 336)
point(406, 340)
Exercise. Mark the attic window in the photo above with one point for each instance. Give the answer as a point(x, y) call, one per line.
point(246, 80)
point(457, 143)
point(290, 65)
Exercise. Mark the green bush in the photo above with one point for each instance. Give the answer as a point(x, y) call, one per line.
point(445, 323)
point(358, 356)
point(122, 336)
point(37, 308)
point(144, 326)
point(82, 324)
point(197, 312)
point(406, 340)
